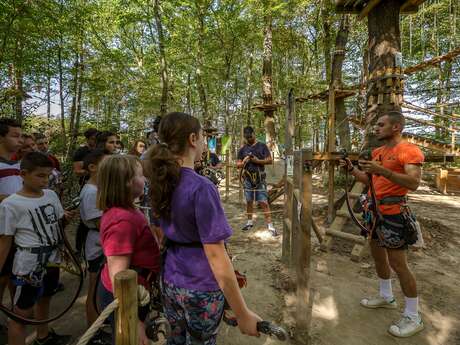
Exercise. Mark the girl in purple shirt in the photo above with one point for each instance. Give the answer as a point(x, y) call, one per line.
point(197, 270)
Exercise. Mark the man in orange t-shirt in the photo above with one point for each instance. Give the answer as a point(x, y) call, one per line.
point(395, 169)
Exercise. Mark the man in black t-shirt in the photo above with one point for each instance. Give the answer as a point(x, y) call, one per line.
point(82, 151)
point(252, 158)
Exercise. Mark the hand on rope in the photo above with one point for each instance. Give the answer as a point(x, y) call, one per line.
point(346, 162)
point(143, 299)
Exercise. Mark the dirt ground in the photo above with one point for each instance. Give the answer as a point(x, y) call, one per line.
point(337, 283)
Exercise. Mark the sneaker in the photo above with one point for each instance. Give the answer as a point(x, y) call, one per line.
point(274, 232)
point(54, 339)
point(378, 302)
point(247, 227)
point(406, 327)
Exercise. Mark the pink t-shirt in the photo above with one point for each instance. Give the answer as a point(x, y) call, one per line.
point(126, 232)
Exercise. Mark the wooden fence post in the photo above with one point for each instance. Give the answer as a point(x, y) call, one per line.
point(331, 148)
point(227, 174)
point(303, 259)
point(126, 321)
point(288, 173)
point(295, 221)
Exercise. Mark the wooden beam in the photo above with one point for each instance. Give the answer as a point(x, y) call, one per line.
point(432, 62)
point(430, 112)
point(431, 124)
point(367, 8)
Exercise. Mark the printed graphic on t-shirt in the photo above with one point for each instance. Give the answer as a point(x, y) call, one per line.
point(45, 222)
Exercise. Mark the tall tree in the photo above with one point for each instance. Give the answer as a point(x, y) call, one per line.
point(163, 61)
point(267, 79)
point(343, 126)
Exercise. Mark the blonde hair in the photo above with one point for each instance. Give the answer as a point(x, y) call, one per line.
point(114, 175)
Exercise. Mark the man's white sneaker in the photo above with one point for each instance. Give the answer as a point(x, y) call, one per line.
point(378, 302)
point(406, 327)
point(273, 232)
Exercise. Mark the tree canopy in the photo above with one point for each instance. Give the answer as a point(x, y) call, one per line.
point(67, 65)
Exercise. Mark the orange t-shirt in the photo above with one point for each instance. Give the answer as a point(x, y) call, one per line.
point(394, 158)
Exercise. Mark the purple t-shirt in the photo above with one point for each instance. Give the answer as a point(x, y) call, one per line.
point(196, 216)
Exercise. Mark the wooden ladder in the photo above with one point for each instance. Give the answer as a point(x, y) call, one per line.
point(336, 228)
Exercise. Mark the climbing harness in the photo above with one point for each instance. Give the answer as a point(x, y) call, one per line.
point(265, 327)
point(385, 229)
point(64, 248)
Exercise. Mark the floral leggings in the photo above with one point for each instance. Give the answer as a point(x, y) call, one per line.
point(194, 315)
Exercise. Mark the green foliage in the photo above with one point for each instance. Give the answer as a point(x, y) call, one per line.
point(117, 42)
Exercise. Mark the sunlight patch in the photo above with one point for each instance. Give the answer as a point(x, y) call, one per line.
point(443, 327)
point(326, 309)
point(264, 235)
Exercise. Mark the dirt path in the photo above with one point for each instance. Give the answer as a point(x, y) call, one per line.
point(337, 283)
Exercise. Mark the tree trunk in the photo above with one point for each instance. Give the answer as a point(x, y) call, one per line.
point(267, 82)
point(48, 97)
point(163, 61)
point(249, 91)
point(200, 64)
point(384, 43)
point(336, 79)
point(189, 95)
point(73, 107)
point(19, 93)
point(61, 98)
point(327, 40)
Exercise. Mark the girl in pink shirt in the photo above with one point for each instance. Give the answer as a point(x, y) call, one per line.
point(126, 238)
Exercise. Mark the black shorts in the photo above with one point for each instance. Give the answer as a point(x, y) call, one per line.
point(95, 265)
point(8, 266)
point(27, 296)
point(391, 233)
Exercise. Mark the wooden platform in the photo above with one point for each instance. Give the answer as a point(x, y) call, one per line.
point(448, 181)
point(364, 7)
point(418, 140)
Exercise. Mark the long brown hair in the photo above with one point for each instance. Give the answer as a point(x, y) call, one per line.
point(133, 150)
point(164, 167)
point(113, 177)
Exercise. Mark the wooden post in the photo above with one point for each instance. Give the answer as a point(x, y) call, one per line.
point(227, 174)
point(294, 216)
point(288, 172)
point(443, 176)
point(331, 148)
point(303, 260)
point(126, 321)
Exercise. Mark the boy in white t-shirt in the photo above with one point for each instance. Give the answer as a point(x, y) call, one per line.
point(30, 219)
point(10, 182)
point(90, 216)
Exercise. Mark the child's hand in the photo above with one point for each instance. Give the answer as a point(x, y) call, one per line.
point(69, 215)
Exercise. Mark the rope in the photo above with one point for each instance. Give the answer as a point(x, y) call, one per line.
point(143, 298)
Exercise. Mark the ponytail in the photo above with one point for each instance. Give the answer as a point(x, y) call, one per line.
point(163, 166)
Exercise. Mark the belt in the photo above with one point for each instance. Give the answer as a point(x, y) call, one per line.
point(170, 243)
point(39, 250)
point(392, 200)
